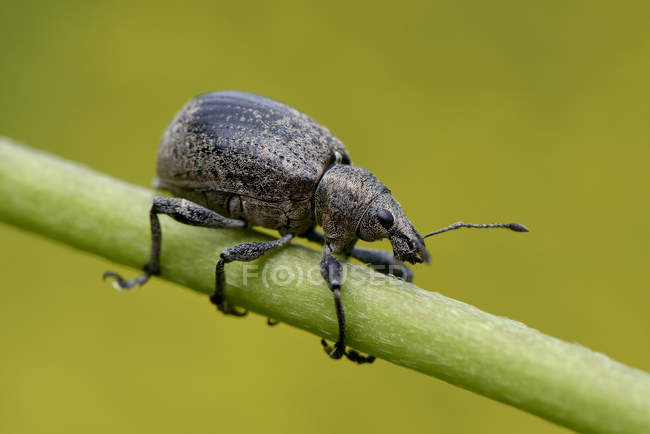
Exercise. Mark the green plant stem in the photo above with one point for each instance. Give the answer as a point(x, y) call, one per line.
point(394, 320)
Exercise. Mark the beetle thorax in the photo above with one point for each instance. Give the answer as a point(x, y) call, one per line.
point(342, 196)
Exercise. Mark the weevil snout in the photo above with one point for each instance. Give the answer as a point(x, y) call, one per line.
point(408, 246)
point(385, 219)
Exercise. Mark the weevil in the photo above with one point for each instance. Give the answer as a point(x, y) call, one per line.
point(232, 159)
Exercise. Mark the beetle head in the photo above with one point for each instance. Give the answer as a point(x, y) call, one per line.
point(385, 218)
point(350, 203)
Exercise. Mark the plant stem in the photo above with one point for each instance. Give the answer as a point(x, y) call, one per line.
point(394, 320)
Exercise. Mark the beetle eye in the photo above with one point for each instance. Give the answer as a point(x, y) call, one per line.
point(385, 218)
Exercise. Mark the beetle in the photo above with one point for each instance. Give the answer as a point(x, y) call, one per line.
point(233, 159)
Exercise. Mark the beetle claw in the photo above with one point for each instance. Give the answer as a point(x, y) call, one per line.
point(120, 284)
point(338, 351)
point(231, 310)
point(334, 352)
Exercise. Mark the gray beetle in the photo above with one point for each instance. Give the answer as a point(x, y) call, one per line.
point(233, 159)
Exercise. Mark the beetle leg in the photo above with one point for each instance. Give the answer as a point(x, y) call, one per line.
point(181, 210)
point(332, 272)
point(241, 252)
point(383, 262)
point(314, 236)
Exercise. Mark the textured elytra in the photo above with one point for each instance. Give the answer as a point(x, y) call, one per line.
point(246, 144)
point(267, 155)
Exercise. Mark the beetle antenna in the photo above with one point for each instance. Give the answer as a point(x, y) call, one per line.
point(512, 226)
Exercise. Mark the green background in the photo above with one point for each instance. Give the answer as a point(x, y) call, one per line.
point(474, 111)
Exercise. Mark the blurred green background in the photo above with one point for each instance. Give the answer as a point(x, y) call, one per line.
point(474, 111)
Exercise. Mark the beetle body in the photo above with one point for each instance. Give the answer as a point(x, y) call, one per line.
point(249, 157)
point(233, 159)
